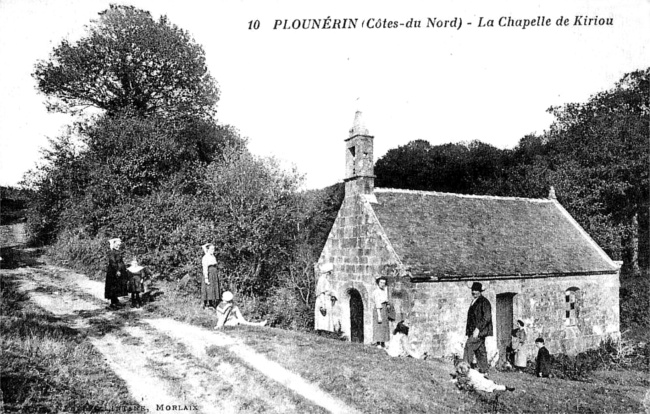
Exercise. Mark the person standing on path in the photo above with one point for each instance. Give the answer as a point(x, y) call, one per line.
point(211, 285)
point(137, 276)
point(115, 285)
point(479, 325)
point(380, 326)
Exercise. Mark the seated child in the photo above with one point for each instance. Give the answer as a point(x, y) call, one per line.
point(135, 285)
point(399, 345)
point(470, 379)
point(543, 368)
point(229, 315)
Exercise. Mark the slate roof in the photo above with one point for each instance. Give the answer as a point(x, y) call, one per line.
point(456, 236)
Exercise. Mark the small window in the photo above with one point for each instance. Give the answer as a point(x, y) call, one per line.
point(354, 163)
point(572, 310)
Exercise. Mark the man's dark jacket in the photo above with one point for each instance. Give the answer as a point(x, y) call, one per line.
point(479, 316)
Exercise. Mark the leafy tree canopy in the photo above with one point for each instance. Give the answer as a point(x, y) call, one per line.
point(129, 61)
point(457, 168)
point(601, 166)
point(605, 141)
point(595, 155)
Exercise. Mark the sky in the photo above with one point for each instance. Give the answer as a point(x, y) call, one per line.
point(294, 92)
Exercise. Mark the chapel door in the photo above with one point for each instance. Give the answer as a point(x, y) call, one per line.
point(356, 316)
point(504, 322)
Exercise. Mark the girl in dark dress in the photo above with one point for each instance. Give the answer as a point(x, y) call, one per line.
point(211, 285)
point(137, 277)
point(116, 274)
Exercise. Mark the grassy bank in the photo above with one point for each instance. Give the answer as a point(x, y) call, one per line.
point(369, 380)
point(366, 377)
point(48, 367)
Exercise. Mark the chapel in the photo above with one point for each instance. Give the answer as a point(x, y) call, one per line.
point(535, 261)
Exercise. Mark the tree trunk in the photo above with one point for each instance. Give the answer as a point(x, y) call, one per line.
point(644, 239)
point(631, 248)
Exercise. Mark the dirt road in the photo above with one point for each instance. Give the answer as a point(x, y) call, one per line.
point(168, 365)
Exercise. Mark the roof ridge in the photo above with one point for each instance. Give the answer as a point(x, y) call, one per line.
point(440, 193)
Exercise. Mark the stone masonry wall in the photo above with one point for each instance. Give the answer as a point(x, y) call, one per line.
point(358, 250)
point(439, 313)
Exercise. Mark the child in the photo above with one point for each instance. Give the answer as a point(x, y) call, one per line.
point(399, 345)
point(137, 276)
point(230, 315)
point(470, 379)
point(543, 368)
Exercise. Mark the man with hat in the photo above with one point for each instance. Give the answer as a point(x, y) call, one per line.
point(479, 325)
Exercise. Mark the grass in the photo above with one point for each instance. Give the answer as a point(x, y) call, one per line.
point(367, 379)
point(49, 367)
point(250, 390)
point(362, 376)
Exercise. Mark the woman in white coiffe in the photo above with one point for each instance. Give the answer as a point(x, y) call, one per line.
point(325, 299)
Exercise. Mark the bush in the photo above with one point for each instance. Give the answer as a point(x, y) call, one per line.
point(610, 355)
point(84, 252)
point(166, 192)
point(287, 311)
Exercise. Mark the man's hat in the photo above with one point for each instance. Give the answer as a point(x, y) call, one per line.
point(476, 286)
point(227, 296)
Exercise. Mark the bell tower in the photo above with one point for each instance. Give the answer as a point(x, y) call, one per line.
point(359, 165)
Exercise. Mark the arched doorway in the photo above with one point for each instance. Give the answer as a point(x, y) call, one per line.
point(356, 316)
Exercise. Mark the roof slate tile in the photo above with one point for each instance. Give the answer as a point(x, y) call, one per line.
point(453, 235)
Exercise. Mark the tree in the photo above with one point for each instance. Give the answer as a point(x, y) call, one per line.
point(129, 61)
point(456, 168)
point(595, 154)
point(257, 217)
point(601, 148)
point(61, 176)
point(420, 166)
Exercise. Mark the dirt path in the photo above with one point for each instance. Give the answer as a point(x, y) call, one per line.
point(168, 365)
